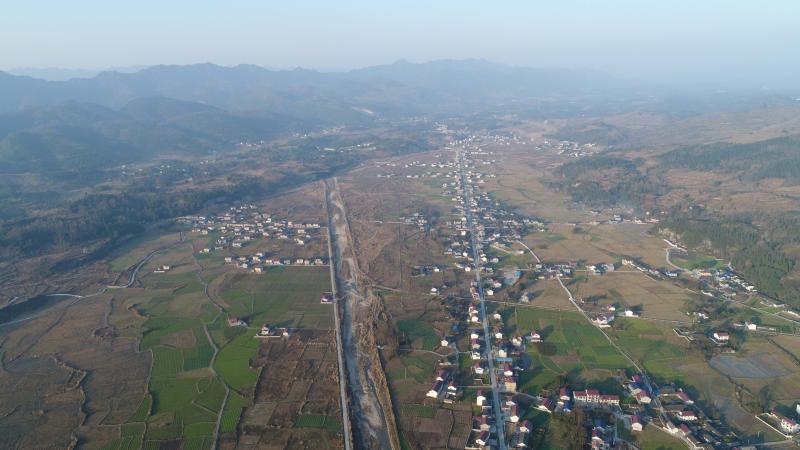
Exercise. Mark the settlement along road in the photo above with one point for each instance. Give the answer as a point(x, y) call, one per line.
point(500, 424)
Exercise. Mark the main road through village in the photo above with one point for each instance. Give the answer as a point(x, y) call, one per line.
point(467, 196)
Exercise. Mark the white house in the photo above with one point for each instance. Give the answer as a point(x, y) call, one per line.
point(636, 424)
point(480, 399)
point(721, 337)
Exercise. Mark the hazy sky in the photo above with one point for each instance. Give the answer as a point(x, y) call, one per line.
point(666, 39)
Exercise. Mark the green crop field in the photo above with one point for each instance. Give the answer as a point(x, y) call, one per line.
point(143, 410)
point(232, 413)
point(413, 410)
point(647, 343)
point(197, 443)
point(309, 421)
point(420, 333)
point(654, 439)
point(200, 355)
point(213, 395)
point(285, 296)
point(697, 262)
point(199, 429)
point(233, 361)
point(132, 430)
point(166, 361)
point(569, 341)
point(157, 328)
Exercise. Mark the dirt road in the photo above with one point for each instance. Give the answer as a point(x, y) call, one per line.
point(371, 413)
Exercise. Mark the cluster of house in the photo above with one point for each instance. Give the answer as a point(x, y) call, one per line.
point(725, 280)
point(568, 148)
point(655, 273)
point(551, 271)
point(256, 263)
point(727, 283)
point(494, 226)
point(601, 438)
point(565, 400)
point(419, 271)
point(686, 421)
point(592, 400)
point(241, 224)
point(265, 332)
point(444, 386)
point(272, 332)
point(518, 431)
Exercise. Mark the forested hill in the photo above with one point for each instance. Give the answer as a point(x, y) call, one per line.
point(773, 158)
point(719, 212)
point(77, 137)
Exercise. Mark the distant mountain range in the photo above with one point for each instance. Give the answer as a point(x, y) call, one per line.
point(397, 88)
point(114, 117)
point(61, 74)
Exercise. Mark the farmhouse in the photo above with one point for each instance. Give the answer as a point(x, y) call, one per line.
point(510, 384)
point(786, 424)
point(641, 396)
point(594, 397)
point(267, 332)
point(513, 415)
point(546, 405)
point(636, 423)
point(480, 399)
point(589, 396)
point(603, 320)
point(433, 392)
point(563, 395)
point(519, 439)
point(483, 438)
point(721, 337)
point(236, 322)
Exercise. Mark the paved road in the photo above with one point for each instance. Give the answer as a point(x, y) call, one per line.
point(501, 439)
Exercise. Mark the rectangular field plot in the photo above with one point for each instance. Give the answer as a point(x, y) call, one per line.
point(283, 296)
point(598, 244)
point(653, 345)
point(657, 299)
point(571, 346)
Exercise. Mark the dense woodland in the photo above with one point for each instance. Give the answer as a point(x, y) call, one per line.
point(761, 260)
point(773, 158)
point(605, 180)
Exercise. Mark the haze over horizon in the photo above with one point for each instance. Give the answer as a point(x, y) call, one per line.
point(732, 42)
